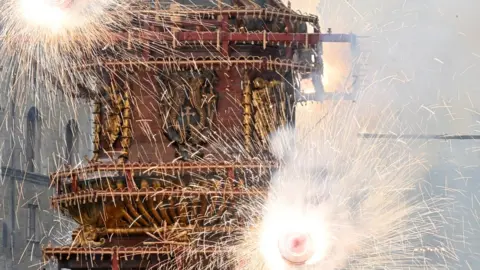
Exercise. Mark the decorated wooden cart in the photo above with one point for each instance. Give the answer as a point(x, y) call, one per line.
point(181, 131)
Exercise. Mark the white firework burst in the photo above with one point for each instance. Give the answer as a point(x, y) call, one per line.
point(340, 202)
point(43, 42)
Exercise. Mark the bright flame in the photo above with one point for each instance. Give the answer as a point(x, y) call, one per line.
point(313, 224)
point(43, 13)
point(306, 86)
point(326, 69)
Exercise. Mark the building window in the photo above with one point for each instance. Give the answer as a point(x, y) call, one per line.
point(32, 235)
point(4, 235)
point(32, 138)
point(71, 138)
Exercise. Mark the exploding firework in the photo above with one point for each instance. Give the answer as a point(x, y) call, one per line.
point(43, 43)
point(340, 202)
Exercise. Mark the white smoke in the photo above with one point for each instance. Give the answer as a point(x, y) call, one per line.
point(421, 61)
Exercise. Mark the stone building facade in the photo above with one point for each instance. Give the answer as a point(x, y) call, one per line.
point(39, 133)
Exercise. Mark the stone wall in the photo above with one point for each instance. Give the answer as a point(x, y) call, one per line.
point(26, 220)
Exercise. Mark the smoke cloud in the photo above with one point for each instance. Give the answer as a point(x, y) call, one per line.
point(421, 60)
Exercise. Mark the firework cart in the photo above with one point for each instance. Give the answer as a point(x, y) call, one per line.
point(178, 131)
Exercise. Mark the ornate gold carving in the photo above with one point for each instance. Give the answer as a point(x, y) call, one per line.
point(116, 216)
point(247, 111)
point(126, 139)
point(97, 129)
point(195, 87)
point(87, 236)
point(269, 103)
point(114, 119)
point(139, 219)
point(118, 123)
point(190, 106)
point(87, 215)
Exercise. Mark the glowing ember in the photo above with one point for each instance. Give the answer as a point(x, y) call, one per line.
point(49, 14)
point(326, 69)
point(296, 248)
point(307, 86)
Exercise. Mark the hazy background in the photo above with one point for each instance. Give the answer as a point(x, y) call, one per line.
point(421, 60)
